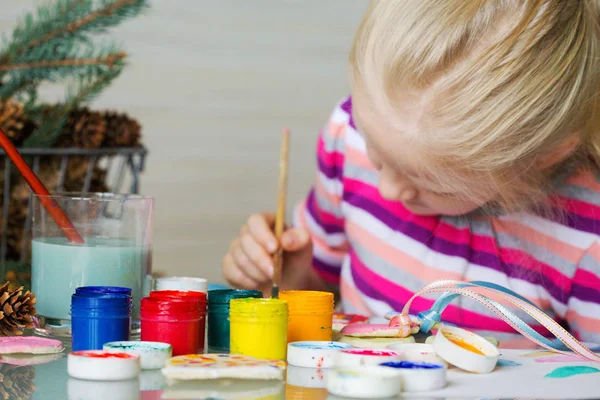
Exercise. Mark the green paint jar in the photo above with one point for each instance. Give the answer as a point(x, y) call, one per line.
point(218, 315)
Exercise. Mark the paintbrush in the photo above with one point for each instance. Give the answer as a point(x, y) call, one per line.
point(280, 214)
point(52, 207)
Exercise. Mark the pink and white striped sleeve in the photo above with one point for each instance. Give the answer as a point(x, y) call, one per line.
point(321, 212)
point(583, 308)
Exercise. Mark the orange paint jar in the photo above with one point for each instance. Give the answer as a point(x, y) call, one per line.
point(310, 315)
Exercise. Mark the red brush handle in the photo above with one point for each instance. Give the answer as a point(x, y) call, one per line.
point(38, 188)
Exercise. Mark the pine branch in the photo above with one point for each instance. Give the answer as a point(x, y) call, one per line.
point(87, 90)
point(67, 21)
point(29, 29)
point(30, 97)
point(52, 127)
point(27, 95)
point(12, 87)
point(57, 44)
point(72, 62)
point(109, 61)
point(109, 10)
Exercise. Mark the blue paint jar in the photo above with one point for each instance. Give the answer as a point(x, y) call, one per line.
point(99, 316)
point(103, 289)
point(218, 315)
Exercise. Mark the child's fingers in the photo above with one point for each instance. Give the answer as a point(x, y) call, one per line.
point(257, 255)
point(248, 267)
point(235, 276)
point(295, 239)
point(259, 226)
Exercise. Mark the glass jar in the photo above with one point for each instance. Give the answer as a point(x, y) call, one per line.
point(218, 315)
point(258, 328)
point(98, 317)
point(176, 320)
point(311, 314)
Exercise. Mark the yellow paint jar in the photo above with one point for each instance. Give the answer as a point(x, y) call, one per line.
point(258, 328)
point(311, 315)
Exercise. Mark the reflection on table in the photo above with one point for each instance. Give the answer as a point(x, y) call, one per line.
point(45, 377)
point(16, 381)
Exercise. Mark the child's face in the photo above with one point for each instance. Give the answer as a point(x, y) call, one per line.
point(392, 148)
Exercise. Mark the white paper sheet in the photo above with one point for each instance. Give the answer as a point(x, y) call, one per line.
point(526, 381)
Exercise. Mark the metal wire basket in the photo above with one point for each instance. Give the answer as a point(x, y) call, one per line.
point(123, 165)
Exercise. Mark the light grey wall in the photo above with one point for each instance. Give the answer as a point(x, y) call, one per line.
point(213, 83)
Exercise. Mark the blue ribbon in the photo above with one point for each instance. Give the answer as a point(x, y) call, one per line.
point(432, 316)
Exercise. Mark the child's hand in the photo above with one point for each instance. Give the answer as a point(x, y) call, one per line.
point(249, 262)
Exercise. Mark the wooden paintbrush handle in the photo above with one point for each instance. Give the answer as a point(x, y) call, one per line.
point(281, 201)
point(51, 206)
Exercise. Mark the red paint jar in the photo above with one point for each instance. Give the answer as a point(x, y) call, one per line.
point(202, 304)
point(175, 318)
point(179, 294)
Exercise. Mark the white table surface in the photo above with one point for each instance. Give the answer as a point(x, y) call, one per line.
point(526, 381)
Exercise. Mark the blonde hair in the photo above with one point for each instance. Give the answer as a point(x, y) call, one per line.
point(510, 80)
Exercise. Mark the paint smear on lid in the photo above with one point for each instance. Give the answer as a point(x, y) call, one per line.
point(324, 345)
point(371, 352)
point(411, 365)
point(572, 370)
point(460, 342)
point(92, 354)
point(132, 345)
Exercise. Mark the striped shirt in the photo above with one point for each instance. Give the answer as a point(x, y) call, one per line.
point(380, 254)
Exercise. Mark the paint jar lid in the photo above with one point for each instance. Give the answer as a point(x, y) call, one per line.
point(250, 307)
point(360, 357)
point(314, 354)
point(104, 289)
point(308, 302)
point(465, 350)
point(153, 355)
point(105, 304)
point(98, 365)
point(224, 296)
point(199, 297)
point(186, 283)
point(417, 352)
point(419, 376)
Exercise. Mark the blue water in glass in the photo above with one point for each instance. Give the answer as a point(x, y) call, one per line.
point(59, 267)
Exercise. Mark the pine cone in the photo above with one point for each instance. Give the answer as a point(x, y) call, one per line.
point(76, 170)
point(16, 310)
point(121, 131)
point(16, 382)
point(14, 122)
point(87, 128)
point(17, 213)
point(98, 183)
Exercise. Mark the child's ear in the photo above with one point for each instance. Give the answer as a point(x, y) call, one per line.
point(561, 153)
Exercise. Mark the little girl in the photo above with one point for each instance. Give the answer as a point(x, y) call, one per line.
point(468, 150)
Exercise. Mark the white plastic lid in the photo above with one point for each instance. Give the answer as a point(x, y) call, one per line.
point(465, 350)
